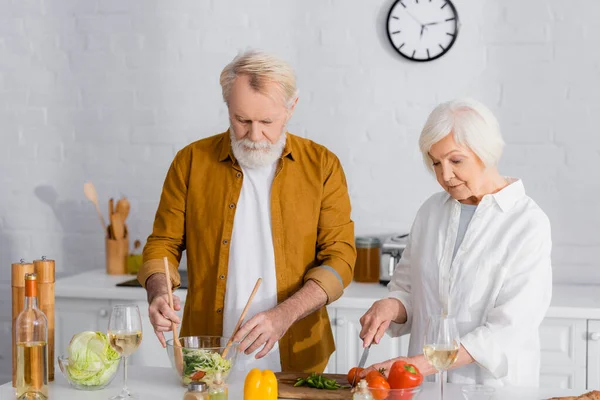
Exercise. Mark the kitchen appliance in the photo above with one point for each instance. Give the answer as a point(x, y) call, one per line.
point(391, 252)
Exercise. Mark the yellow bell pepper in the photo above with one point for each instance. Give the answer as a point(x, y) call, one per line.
point(260, 385)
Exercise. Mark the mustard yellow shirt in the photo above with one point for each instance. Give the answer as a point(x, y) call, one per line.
point(313, 237)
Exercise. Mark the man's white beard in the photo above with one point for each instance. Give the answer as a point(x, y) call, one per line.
point(256, 154)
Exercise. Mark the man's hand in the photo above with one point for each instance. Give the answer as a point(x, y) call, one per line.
point(266, 329)
point(377, 319)
point(161, 315)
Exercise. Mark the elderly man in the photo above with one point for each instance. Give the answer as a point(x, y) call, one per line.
point(252, 202)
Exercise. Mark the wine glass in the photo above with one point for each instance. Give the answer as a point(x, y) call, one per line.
point(125, 336)
point(441, 345)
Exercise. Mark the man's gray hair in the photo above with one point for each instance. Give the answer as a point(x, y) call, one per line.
point(261, 68)
point(472, 124)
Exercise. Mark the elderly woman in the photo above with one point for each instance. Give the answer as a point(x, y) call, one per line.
point(483, 244)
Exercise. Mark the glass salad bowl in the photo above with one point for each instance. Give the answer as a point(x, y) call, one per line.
point(94, 375)
point(200, 357)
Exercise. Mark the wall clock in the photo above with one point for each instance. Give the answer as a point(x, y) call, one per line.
point(422, 30)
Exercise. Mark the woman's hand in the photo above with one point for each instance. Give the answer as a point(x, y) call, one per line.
point(375, 321)
point(382, 367)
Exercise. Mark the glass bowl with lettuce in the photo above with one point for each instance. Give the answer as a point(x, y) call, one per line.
point(90, 362)
point(199, 358)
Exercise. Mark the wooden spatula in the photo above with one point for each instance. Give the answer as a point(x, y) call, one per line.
point(178, 353)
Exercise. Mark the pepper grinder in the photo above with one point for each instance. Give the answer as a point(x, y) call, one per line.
point(45, 270)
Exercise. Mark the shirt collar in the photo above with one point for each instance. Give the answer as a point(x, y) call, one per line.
point(505, 198)
point(508, 197)
point(227, 153)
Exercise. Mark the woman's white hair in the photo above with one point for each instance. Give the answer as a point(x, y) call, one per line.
point(261, 68)
point(472, 124)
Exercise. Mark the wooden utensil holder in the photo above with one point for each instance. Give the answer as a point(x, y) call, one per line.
point(116, 255)
point(18, 271)
point(45, 271)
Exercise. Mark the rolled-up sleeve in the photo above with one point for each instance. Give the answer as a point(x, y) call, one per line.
point(520, 307)
point(400, 289)
point(336, 253)
point(168, 234)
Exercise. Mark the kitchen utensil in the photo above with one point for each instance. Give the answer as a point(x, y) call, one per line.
point(239, 323)
point(111, 206)
point(118, 227)
point(178, 355)
point(90, 192)
point(194, 348)
point(286, 381)
point(391, 252)
point(123, 207)
point(45, 271)
point(116, 255)
point(362, 362)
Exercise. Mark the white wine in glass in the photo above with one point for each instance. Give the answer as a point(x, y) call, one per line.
point(441, 345)
point(125, 336)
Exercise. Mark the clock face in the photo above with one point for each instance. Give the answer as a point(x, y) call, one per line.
point(422, 30)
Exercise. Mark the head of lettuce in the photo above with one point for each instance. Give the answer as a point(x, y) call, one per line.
point(92, 361)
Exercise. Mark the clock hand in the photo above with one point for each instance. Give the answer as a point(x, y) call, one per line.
point(433, 23)
point(413, 17)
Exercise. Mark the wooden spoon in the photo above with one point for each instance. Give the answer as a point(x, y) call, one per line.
point(177, 346)
point(90, 192)
point(118, 227)
point(239, 323)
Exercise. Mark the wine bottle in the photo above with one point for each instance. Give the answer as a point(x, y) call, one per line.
point(31, 330)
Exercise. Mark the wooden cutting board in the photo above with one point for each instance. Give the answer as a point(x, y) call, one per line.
point(288, 391)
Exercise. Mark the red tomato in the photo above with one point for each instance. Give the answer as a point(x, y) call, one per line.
point(374, 374)
point(379, 387)
point(352, 372)
point(404, 376)
point(198, 375)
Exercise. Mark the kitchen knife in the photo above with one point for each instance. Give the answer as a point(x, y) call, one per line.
point(362, 362)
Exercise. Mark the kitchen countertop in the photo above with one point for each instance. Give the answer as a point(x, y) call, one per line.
point(568, 301)
point(153, 383)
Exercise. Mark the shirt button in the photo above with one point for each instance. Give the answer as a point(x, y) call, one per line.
point(220, 310)
point(222, 277)
point(231, 205)
point(225, 241)
point(239, 174)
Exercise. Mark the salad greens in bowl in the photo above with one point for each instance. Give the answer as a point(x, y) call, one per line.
point(202, 358)
point(90, 362)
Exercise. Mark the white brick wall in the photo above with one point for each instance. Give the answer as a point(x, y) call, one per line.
point(108, 91)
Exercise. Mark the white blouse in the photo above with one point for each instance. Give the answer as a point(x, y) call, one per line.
point(498, 287)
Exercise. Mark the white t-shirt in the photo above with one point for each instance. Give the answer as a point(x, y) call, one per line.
point(251, 257)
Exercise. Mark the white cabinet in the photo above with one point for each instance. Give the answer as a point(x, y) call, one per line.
point(563, 353)
point(346, 328)
point(593, 354)
point(78, 315)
